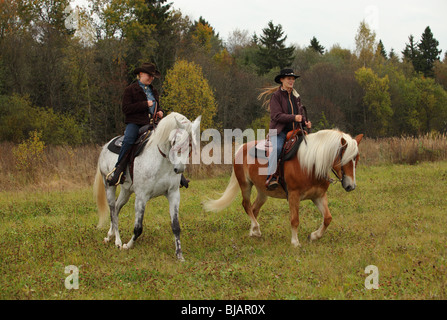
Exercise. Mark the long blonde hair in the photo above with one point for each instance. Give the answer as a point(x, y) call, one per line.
point(266, 95)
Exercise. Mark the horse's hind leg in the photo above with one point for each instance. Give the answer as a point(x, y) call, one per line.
point(261, 198)
point(294, 203)
point(113, 231)
point(322, 205)
point(140, 206)
point(255, 230)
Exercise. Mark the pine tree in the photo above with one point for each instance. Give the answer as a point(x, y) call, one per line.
point(428, 48)
point(381, 49)
point(315, 44)
point(272, 49)
point(411, 53)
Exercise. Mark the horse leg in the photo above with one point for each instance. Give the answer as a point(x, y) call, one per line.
point(261, 198)
point(322, 205)
point(174, 203)
point(113, 231)
point(255, 230)
point(140, 207)
point(294, 207)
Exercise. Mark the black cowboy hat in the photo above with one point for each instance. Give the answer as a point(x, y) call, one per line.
point(148, 68)
point(285, 73)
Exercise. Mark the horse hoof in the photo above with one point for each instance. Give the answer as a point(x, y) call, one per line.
point(296, 244)
point(255, 233)
point(106, 240)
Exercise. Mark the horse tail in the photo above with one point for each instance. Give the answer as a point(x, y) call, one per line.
point(227, 197)
point(99, 193)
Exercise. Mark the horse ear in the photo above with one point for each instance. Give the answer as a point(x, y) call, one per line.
point(179, 124)
point(195, 130)
point(196, 123)
point(359, 138)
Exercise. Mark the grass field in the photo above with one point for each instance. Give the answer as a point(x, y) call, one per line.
point(395, 219)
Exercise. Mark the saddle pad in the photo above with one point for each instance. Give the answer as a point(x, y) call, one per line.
point(259, 151)
point(263, 145)
point(115, 145)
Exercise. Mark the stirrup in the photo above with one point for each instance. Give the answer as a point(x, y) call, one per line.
point(108, 179)
point(112, 180)
point(271, 184)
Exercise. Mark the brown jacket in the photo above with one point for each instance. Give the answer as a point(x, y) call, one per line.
point(135, 106)
point(279, 111)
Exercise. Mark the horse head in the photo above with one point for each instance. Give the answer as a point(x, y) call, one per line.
point(182, 139)
point(346, 162)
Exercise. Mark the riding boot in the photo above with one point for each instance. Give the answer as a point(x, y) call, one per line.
point(117, 175)
point(184, 182)
point(272, 182)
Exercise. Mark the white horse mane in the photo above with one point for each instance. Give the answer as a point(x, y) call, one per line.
point(321, 150)
point(163, 132)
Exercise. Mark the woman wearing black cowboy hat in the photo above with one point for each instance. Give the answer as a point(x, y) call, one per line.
point(286, 114)
point(140, 102)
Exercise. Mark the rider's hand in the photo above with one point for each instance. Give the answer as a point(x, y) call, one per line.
point(298, 118)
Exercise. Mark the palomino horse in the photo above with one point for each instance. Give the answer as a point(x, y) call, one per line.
point(157, 171)
point(306, 176)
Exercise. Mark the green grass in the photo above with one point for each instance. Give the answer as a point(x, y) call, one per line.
point(395, 219)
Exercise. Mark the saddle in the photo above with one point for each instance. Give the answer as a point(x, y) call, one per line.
point(143, 137)
point(293, 140)
point(263, 148)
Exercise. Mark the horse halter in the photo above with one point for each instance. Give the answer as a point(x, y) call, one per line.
point(339, 157)
point(182, 147)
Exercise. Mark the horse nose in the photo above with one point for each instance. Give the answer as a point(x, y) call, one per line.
point(179, 169)
point(350, 188)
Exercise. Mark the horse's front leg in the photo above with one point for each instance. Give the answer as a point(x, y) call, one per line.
point(140, 206)
point(174, 204)
point(322, 205)
point(294, 207)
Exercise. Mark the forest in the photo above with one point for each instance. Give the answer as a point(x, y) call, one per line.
point(63, 71)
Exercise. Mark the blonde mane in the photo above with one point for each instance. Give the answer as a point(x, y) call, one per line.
point(322, 149)
point(162, 133)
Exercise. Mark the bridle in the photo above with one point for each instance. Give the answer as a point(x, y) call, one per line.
point(181, 148)
point(341, 151)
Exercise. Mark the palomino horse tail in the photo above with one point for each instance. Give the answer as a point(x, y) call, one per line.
point(99, 193)
point(227, 197)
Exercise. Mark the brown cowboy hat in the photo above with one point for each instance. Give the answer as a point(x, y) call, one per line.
point(148, 68)
point(285, 73)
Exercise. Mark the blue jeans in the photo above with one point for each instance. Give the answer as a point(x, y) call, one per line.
point(277, 142)
point(130, 136)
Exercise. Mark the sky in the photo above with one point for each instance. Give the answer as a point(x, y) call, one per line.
point(331, 22)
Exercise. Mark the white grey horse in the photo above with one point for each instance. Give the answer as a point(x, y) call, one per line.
point(157, 172)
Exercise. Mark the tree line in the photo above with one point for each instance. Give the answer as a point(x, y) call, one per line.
point(63, 72)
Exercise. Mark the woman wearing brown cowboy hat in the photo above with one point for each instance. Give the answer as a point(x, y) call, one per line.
point(140, 102)
point(286, 114)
